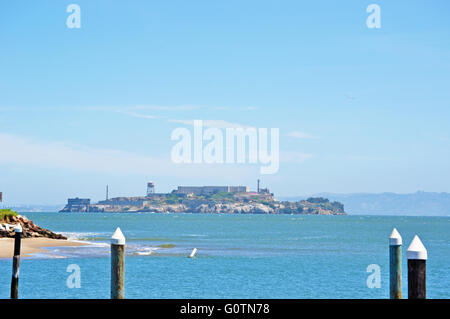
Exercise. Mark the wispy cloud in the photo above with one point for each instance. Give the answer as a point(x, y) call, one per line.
point(166, 108)
point(294, 157)
point(349, 97)
point(212, 123)
point(234, 108)
point(300, 135)
point(193, 107)
point(152, 107)
point(63, 155)
point(139, 115)
point(366, 158)
point(30, 152)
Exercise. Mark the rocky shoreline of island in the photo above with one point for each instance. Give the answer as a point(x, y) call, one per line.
point(312, 207)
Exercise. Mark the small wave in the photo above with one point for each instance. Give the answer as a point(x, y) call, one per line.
point(46, 255)
point(146, 251)
point(151, 239)
point(89, 239)
point(99, 245)
point(143, 253)
point(81, 235)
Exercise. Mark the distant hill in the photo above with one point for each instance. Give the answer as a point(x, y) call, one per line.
point(415, 204)
point(34, 208)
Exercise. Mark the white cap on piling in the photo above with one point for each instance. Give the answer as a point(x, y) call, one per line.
point(417, 250)
point(118, 238)
point(395, 239)
point(18, 228)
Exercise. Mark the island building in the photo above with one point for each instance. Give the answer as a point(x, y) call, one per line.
point(78, 204)
point(208, 190)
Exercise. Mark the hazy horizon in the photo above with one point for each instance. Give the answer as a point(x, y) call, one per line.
point(276, 196)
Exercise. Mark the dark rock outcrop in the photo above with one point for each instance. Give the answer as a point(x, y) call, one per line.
point(29, 229)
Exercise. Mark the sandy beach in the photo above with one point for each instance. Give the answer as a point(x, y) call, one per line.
point(32, 245)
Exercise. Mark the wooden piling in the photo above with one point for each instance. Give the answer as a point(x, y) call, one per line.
point(117, 265)
point(417, 265)
point(16, 262)
point(395, 265)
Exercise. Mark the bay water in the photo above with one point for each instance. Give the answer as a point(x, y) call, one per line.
point(239, 256)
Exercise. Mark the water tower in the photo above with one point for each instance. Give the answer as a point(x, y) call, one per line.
point(150, 188)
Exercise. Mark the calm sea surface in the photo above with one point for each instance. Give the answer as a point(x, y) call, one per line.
point(239, 256)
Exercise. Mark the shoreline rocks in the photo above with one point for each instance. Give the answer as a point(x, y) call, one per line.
point(29, 229)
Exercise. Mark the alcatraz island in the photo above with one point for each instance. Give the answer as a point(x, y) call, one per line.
point(207, 199)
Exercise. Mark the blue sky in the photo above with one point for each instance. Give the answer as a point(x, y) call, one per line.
point(359, 109)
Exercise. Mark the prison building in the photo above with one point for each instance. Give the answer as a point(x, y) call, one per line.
point(207, 190)
point(78, 204)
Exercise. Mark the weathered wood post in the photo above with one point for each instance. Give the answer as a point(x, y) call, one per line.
point(117, 265)
point(395, 265)
point(417, 268)
point(16, 262)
